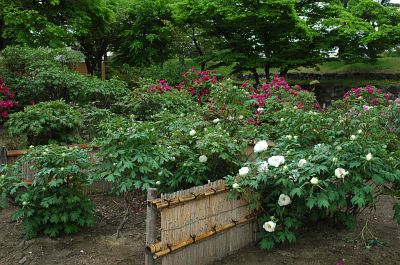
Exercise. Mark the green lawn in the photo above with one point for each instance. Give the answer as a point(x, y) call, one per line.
point(383, 65)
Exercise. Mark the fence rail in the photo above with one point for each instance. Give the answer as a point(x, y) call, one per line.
point(200, 225)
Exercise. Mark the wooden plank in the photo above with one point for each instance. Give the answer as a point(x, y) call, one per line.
point(3, 155)
point(151, 224)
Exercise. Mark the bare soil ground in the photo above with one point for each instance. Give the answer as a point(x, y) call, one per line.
point(318, 245)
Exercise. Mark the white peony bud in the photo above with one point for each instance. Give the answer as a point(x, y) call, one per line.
point(192, 133)
point(235, 186)
point(369, 157)
point(314, 181)
point(302, 163)
point(203, 159)
point(216, 120)
point(353, 137)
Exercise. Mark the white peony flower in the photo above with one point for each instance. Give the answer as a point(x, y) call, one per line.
point(173, 158)
point(340, 173)
point(276, 161)
point(263, 167)
point(241, 117)
point(353, 137)
point(203, 159)
point(334, 160)
point(284, 200)
point(216, 120)
point(289, 137)
point(269, 226)
point(231, 118)
point(260, 110)
point(243, 171)
point(314, 181)
point(285, 168)
point(192, 133)
point(302, 163)
point(235, 185)
point(260, 146)
point(359, 131)
point(158, 183)
point(369, 157)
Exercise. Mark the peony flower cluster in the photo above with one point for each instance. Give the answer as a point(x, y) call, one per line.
point(263, 167)
point(276, 161)
point(244, 171)
point(260, 146)
point(269, 226)
point(340, 173)
point(284, 200)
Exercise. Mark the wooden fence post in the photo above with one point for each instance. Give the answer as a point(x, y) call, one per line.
point(3, 155)
point(151, 224)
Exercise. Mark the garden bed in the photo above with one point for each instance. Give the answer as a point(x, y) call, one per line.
point(320, 245)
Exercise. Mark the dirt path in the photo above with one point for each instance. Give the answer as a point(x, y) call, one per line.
point(318, 246)
point(323, 245)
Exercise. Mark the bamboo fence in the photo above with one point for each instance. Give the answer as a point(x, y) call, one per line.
point(200, 225)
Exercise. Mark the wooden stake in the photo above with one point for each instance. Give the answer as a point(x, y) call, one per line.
point(3, 155)
point(151, 224)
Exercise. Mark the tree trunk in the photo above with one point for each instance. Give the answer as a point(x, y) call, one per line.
point(256, 77)
point(266, 71)
point(181, 60)
point(283, 72)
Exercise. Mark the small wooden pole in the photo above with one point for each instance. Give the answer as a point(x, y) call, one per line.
point(3, 155)
point(151, 224)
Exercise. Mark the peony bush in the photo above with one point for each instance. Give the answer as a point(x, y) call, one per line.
point(325, 165)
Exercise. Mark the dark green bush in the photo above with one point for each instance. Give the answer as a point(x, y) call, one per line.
point(52, 121)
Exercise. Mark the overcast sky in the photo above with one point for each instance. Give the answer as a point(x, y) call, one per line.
point(395, 1)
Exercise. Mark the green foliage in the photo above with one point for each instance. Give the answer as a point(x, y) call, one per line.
point(55, 203)
point(92, 118)
point(144, 33)
point(52, 121)
point(178, 150)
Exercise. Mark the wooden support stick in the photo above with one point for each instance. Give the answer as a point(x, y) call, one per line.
point(160, 203)
point(158, 252)
point(151, 224)
point(3, 155)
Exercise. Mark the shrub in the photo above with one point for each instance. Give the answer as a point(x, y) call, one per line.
point(54, 203)
point(52, 121)
point(48, 77)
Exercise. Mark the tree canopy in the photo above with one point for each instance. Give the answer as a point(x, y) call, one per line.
point(247, 34)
